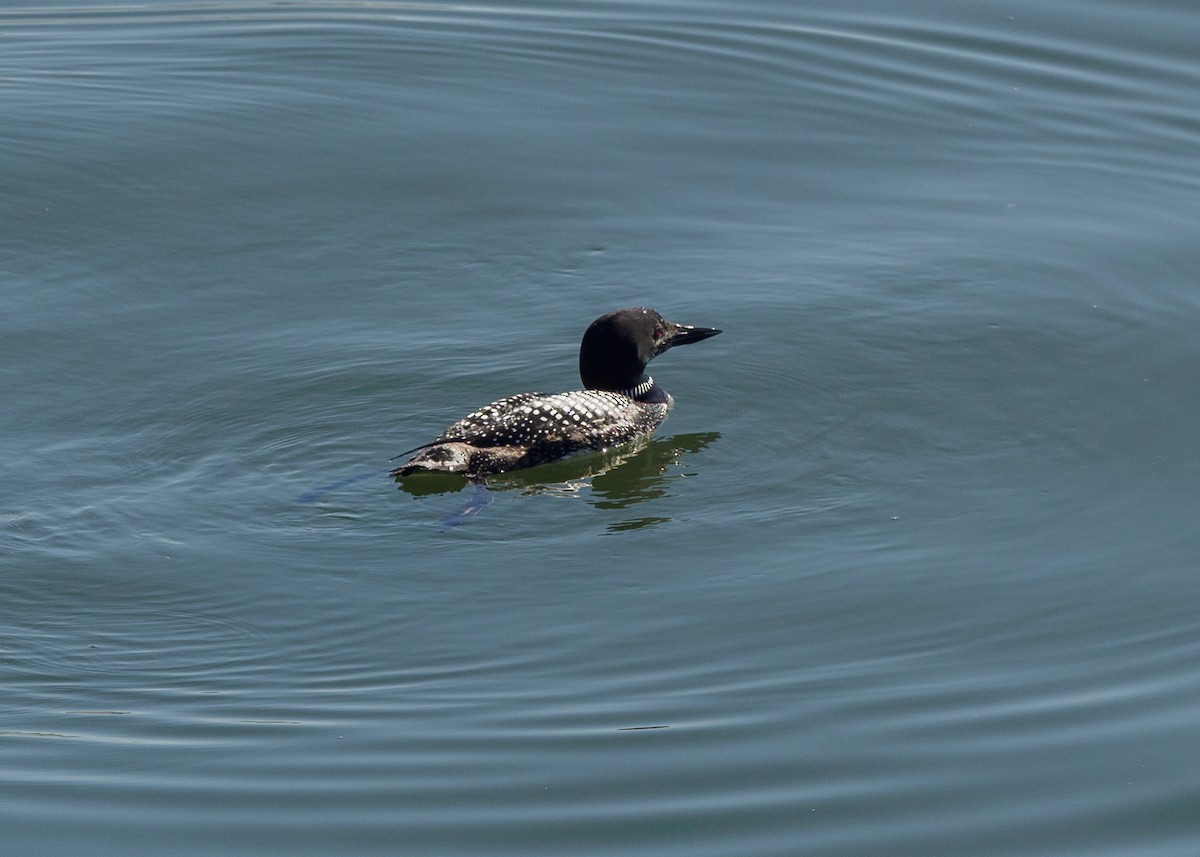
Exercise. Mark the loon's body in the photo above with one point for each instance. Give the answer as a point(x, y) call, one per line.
point(620, 403)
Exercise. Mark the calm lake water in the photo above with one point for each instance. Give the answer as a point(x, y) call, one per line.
point(912, 569)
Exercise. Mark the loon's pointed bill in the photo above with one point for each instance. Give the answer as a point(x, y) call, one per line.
point(619, 403)
point(685, 334)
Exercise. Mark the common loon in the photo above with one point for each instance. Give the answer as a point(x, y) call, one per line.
point(620, 403)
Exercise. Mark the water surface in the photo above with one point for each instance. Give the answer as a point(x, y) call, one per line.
point(910, 570)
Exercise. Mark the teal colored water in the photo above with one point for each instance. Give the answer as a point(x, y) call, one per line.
point(910, 570)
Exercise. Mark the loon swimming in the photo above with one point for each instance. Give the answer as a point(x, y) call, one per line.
point(620, 403)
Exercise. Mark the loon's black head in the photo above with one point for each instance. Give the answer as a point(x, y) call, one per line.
point(616, 347)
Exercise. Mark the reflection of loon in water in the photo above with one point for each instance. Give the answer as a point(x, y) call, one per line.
point(620, 403)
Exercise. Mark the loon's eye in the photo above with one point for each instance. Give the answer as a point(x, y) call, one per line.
point(658, 333)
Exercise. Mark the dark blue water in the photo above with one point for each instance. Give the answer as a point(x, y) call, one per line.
point(910, 570)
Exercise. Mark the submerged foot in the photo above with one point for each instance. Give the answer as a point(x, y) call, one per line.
point(481, 498)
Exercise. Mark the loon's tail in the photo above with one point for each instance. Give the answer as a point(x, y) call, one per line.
point(447, 457)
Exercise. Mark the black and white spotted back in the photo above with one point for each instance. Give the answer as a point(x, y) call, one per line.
point(581, 419)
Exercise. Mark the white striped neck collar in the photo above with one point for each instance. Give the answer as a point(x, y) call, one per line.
point(646, 385)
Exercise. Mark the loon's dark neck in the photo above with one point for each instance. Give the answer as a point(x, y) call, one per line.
point(616, 348)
